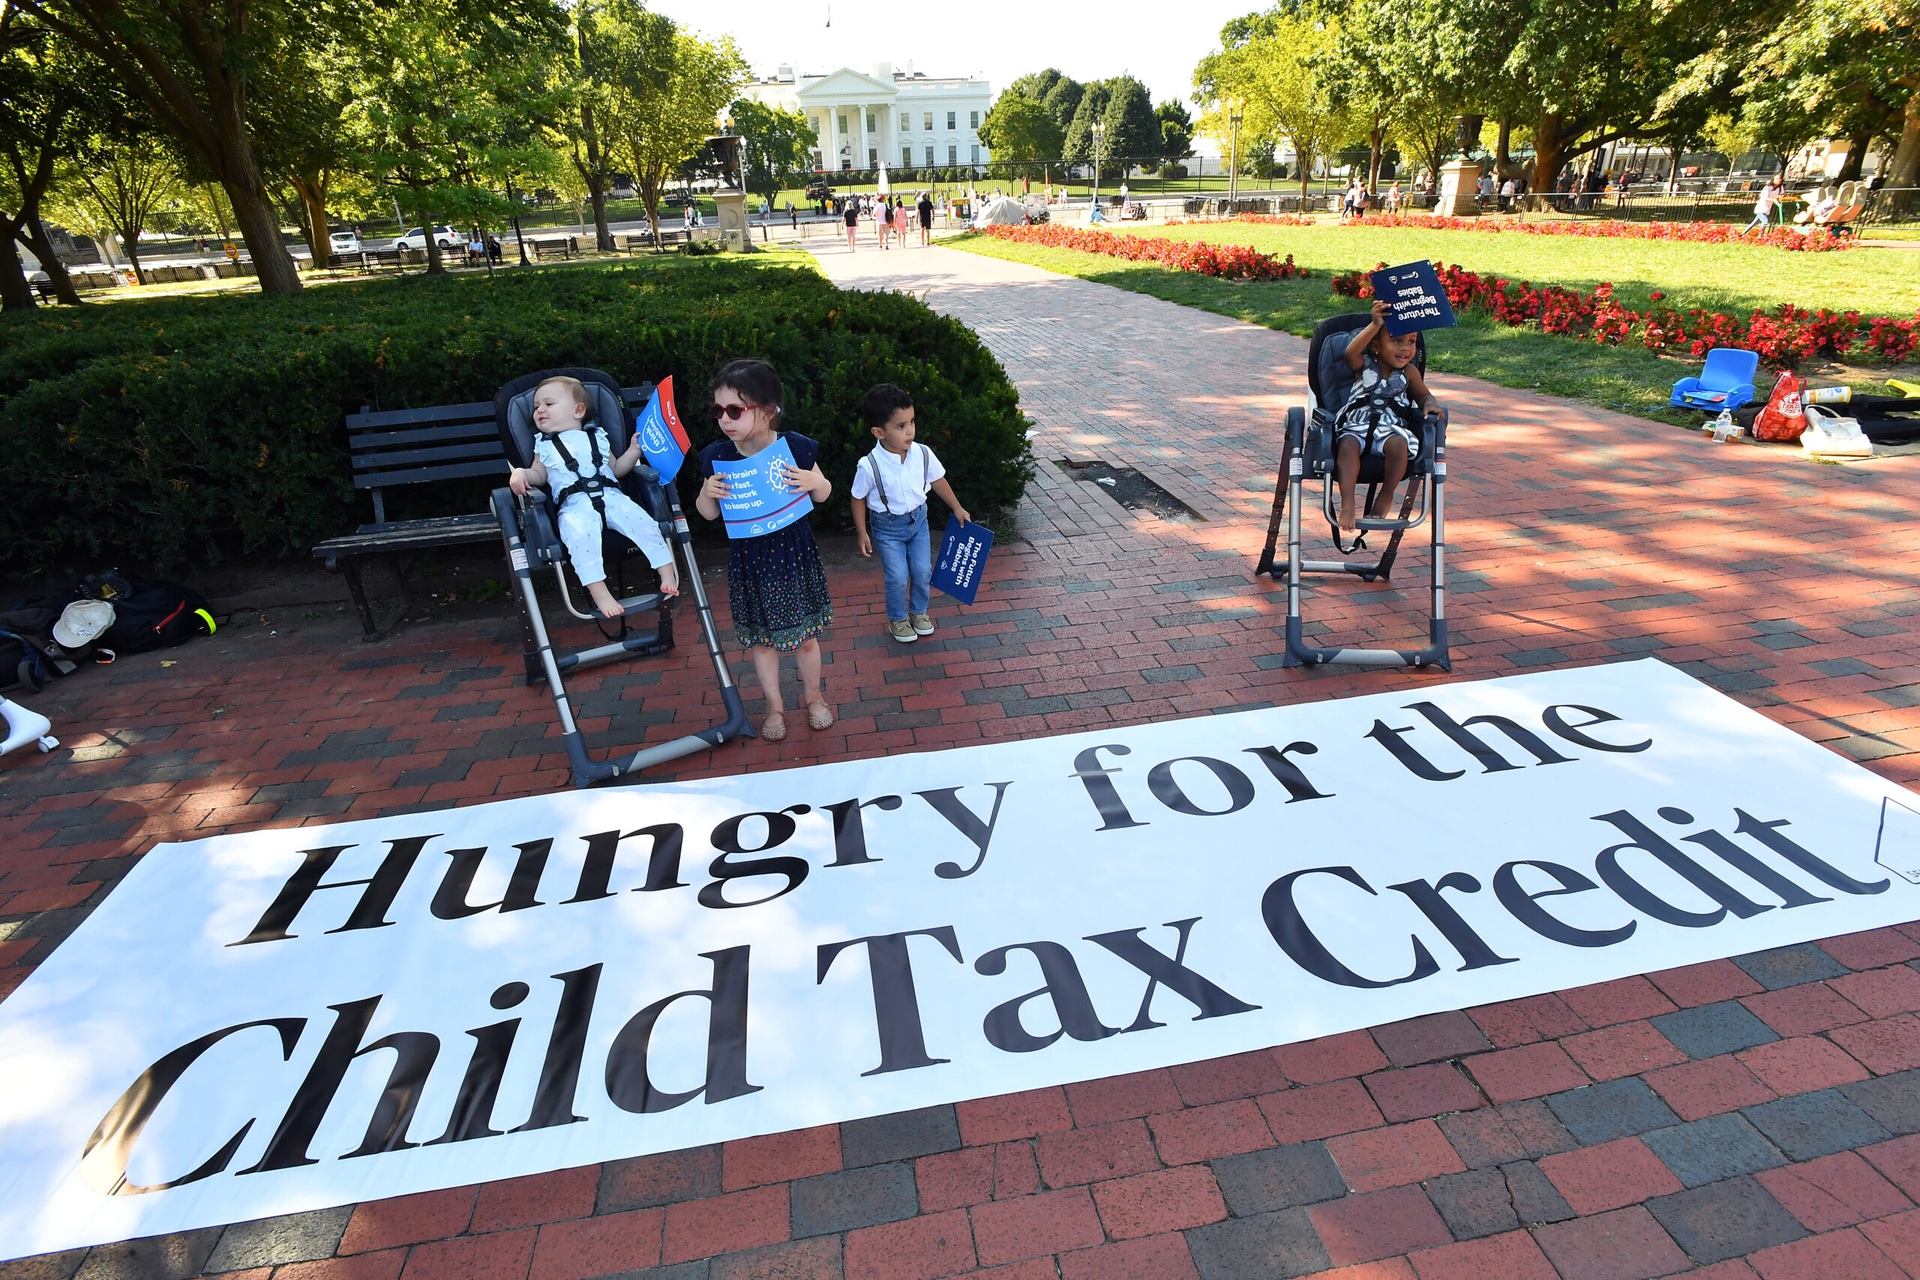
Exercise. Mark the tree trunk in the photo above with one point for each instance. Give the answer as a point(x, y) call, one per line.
point(436, 265)
point(1503, 165)
point(259, 225)
point(1376, 145)
point(1547, 150)
point(1905, 166)
point(602, 235)
point(35, 233)
point(313, 198)
point(1856, 155)
point(15, 293)
point(131, 247)
point(594, 171)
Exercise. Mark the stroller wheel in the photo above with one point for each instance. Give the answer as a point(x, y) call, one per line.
point(25, 674)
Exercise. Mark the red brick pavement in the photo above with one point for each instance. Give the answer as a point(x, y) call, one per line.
point(1755, 1117)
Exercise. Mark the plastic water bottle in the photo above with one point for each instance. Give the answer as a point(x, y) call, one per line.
point(1724, 427)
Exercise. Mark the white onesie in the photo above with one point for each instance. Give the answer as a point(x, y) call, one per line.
point(569, 456)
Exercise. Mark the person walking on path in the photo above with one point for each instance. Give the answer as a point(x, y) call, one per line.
point(850, 214)
point(775, 583)
point(793, 215)
point(925, 210)
point(1764, 206)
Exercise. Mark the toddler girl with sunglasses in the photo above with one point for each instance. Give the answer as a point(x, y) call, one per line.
point(775, 582)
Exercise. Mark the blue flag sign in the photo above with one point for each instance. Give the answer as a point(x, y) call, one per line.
point(757, 501)
point(963, 559)
point(662, 438)
point(1415, 298)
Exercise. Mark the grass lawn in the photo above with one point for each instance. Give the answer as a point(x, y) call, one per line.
point(1628, 378)
point(1731, 278)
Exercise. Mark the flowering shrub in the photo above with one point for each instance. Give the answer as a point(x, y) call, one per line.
point(1270, 219)
point(1225, 261)
point(1783, 337)
point(1820, 241)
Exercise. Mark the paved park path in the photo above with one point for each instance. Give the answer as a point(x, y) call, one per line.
point(1758, 1116)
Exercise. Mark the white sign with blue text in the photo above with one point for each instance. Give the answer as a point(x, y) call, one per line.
point(277, 1021)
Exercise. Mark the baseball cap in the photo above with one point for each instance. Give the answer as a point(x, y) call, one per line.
point(82, 622)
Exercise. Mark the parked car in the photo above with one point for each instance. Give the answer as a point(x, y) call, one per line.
point(416, 239)
point(343, 242)
point(819, 190)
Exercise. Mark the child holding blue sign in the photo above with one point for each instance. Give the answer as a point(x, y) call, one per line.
point(576, 458)
point(1378, 415)
point(890, 487)
point(775, 582)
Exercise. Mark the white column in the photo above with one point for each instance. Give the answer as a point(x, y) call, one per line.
point(860, 156)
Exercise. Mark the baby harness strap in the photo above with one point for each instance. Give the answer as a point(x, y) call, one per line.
point(590, 483)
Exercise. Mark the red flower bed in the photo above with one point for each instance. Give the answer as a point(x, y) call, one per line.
point(1225, 261)
point(1820, 241)
point(1271, 219)
point(1783, 337)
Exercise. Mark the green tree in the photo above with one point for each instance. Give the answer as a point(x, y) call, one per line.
point(196, 66)
point(1275, 75)
point(1176, 130)
point(44, 112)
point(1078, 145)
point(665, 119)
point(1036, 84)
point(1580, 74)
point(1132, 129)
point(452, 97)
point(776, 143)
point(115, 184)
point(1063, 101)
point(1020, 128)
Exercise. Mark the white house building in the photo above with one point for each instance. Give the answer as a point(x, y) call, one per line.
point(904, 119)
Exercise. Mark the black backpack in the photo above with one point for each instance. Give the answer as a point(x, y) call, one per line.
point(157, 615)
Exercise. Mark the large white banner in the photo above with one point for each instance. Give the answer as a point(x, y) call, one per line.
point(279, 1021)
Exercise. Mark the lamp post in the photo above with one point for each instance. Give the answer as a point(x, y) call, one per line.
point(1098, 129)
point(1233, 153)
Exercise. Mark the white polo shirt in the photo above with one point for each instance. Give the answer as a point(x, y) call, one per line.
point(902, 482)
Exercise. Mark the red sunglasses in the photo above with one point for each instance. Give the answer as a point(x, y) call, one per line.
point(731, 412)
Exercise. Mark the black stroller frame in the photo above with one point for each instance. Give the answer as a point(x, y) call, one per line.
point(1309, 453)
point(528, 530)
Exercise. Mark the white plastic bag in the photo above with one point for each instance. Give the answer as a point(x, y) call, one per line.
point(1828, 435)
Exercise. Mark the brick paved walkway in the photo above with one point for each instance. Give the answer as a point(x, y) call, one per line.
point(1758, 1116)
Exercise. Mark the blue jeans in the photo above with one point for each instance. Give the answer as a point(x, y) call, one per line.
point(905, 557)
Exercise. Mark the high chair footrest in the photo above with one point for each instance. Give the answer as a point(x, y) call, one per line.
point(1368, 523)
point(646, 603)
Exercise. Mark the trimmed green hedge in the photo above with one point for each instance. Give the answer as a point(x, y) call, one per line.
point(192, 430)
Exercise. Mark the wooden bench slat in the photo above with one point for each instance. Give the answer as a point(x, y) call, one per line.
point(375, 438)
point(490, 467)
point(437, 453)
point(408, 417)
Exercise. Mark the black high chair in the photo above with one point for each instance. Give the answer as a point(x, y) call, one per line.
point(1309, 452)
point(528, 527)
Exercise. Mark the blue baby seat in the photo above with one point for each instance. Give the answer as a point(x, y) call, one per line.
point(1726, 382)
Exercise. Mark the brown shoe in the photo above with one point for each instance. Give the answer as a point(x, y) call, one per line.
point(819, 715)
point(774, 727)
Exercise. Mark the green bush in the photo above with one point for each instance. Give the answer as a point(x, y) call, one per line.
point(191, 430)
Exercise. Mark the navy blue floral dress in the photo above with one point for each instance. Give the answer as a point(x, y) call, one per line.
point(775, 582)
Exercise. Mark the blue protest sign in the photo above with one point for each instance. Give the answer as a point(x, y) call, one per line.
point(1415, 298)
point(758, 501)
point(963, 559)
point(662, 438)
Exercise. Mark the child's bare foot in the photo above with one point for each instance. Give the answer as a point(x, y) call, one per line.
point(1347, 523)
point(669, 579)
point(603, 600)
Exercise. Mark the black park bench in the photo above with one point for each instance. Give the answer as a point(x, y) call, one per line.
point(413, 446)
